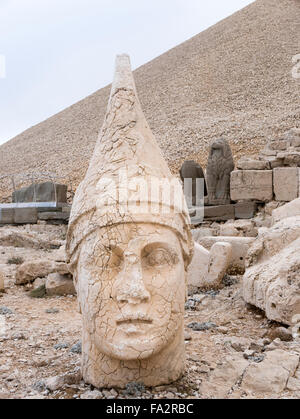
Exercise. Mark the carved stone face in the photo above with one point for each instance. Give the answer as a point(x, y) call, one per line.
point(131, 289)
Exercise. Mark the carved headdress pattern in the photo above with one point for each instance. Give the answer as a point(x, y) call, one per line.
point(126, 158)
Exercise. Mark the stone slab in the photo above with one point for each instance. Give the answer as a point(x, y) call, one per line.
point(41, 192)
point(25, 216)
point(252, 185)
point(252, 164)
point(219, 213)
point(240, 246)
point(286, 183)
point(245, 210)
point(7, 216)
point(53, 216)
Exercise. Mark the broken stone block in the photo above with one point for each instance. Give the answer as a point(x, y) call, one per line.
point(271, 281)
point(41, 192)
point(278, 145)
point(208, 268)
point(286, 183)
point(252, 184)
point(224, 377)
point(25, 216)
point(293, 137)
point(290, 157)
point(245, 210)
point(219, 213)
point(246, 228)
point(198, 268)
point(247, 163)
point(57, 284)
point(54, 216)
point(272, 374)
point(229, 230)
point(7, 216)
point(240, 247)
point(219, 259)
point(29, 271)
point(292, 209)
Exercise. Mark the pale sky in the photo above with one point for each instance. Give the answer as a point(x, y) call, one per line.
point(57, 52)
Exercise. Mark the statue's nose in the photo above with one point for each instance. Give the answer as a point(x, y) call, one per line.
point(129, 286)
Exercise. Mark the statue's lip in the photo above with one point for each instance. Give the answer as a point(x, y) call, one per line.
point(133, 319)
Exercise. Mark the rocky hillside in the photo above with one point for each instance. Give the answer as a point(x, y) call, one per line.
point(234, 79)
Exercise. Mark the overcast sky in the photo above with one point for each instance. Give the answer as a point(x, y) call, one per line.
point(59, 51)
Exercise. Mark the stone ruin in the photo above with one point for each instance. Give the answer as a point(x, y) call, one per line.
point(38, 202)
point(272, 175)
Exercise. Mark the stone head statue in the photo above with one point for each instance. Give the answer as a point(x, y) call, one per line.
point(129, 246)
point(219, 167)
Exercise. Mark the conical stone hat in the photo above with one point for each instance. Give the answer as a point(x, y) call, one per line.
point(128, 179)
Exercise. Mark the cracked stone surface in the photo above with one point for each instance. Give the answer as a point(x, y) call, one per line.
point(129, 260)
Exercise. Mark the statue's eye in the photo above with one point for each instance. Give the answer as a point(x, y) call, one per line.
point(159, 257)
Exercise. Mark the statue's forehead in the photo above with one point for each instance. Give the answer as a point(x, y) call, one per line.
point(126, 236)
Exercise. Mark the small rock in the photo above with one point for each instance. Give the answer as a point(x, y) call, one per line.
point(282, 333)
point(238, 344)
point(223, 330)
point(18, 336)
point(55, 383)
point(5, 310)
point(39, 386)
point(133, 388)
point(106, 394)
point(187, 336)
point(59, 346)
point(293, 384)
point(77, 348)
point(202, 326)
point(170, 395)
point(91, 395)
point(257, 346)
point(248, 354)
point(52, 311)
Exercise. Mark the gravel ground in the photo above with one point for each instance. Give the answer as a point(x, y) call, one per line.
point(41, 339)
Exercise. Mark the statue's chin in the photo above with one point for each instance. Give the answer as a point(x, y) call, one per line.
point(131, 349)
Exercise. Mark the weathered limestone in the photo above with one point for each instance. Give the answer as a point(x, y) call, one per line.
point(208, 268)
point(271, 375)
point(29, 271)
point(248, 163)
point(240, 247)
point(220, 165)
point(129, 252)
point(41, 192)
point(292, 209)
point(219, 259)
point(219, 213)
point(286, 183)
point(272, 279)
point(245, 210)
point(252, 184)
point(192, 170)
